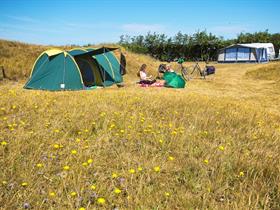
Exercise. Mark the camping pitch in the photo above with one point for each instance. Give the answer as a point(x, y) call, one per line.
point(76, 69)
point(253, 52)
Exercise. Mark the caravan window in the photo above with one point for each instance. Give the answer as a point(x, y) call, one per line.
point(243, 53)
point(271, 50)
point(231, 54)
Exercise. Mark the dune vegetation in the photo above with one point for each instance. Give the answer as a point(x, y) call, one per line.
point(213, 145)
point(271, 72)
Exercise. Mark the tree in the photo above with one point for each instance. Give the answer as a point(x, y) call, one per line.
point(200, 45)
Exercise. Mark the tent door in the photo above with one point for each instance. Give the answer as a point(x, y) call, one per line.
point(89, 70)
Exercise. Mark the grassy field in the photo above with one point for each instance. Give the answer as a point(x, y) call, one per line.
point(213, 145)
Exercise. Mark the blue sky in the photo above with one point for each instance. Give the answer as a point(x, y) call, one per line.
point(94, 21)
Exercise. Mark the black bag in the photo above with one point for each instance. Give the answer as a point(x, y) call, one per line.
point(210, 70)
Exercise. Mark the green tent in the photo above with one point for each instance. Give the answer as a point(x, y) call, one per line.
point(76, 69)
point(173, 80)
point(107, 60)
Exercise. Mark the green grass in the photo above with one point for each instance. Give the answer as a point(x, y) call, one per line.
point(213, 145)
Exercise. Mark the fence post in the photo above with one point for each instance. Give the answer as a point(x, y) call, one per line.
point(3, 71)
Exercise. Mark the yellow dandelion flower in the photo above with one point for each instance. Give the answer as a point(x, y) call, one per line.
point(221, 148)
point(39, 165)
point(114, 175)
point(140, 169)
point(24, 184)
point(52, 194)
point(14, 107)
point(174, 133)
point(206, 161)
point(157, 169)
point(82, 208)
point(161, 141)
point(101, 201)
point(78, 140)
point(121, 131)
point(93, 187)
point(73, 194)
point(4, 143)
point(167, 194)
point(132, 171)
point(4, 182)
point(171, 158)
point(80, 132)
point(56, 130)
point(66, 168)
point(86, 130)
point(56, 146)
point(84, 164)
point(73, 152)
point(117, 191)
point(89, 161)
point(241, 173)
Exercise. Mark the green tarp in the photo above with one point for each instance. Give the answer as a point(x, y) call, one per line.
point(174, 80)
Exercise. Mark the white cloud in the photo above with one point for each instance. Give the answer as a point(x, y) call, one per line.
point(22, 18)
point(23, 28)
point(142, 28)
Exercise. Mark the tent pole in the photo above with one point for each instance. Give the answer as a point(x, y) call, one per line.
point(64, 74)
point(104, 69)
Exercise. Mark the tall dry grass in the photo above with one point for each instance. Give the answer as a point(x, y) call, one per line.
point(213, 145)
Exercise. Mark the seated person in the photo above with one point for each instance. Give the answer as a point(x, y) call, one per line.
point(161, 71)
point(168, 68)
point(144, 78)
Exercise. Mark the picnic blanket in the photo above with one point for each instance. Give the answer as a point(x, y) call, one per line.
point(156, 84)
